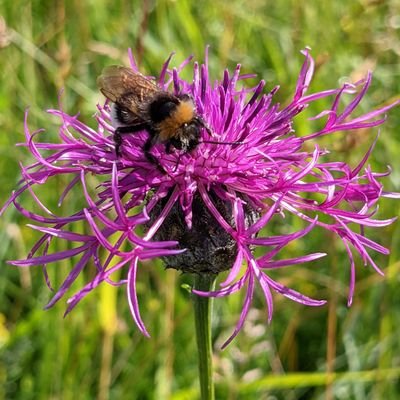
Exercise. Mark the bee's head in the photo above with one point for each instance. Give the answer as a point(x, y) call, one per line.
point(188, 136)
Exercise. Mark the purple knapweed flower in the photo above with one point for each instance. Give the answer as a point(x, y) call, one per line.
point(205, 211)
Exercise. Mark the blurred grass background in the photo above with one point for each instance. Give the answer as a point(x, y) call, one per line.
point(333, 352)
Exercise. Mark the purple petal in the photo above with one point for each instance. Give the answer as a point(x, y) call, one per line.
point(291, 261)
point(233, 273)
point(245, 310)
point(61, 255)
point(70, 279)
point(132, 297)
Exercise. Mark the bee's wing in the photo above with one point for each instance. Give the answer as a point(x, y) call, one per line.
point(125, 87)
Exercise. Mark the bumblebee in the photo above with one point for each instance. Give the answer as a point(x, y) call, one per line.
point(139, 104)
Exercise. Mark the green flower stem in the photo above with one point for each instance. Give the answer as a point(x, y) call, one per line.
point(202, 317)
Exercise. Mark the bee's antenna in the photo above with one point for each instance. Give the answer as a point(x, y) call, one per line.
point(177, 162)
point(203, 124)
point(216, 142)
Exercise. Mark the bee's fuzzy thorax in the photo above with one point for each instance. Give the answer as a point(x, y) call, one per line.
point(183, 114)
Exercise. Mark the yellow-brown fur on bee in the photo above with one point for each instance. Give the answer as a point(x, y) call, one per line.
point(183, 114)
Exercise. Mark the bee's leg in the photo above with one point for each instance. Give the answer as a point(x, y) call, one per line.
point(168, 149)
point(123, 130)
point(118, 142)
point(146, 149)
point(177, 162)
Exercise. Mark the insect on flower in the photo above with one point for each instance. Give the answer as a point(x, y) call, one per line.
point(139, 104)
point(223, 196)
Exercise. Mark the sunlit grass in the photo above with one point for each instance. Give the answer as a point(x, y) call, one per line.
point(96, 352)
